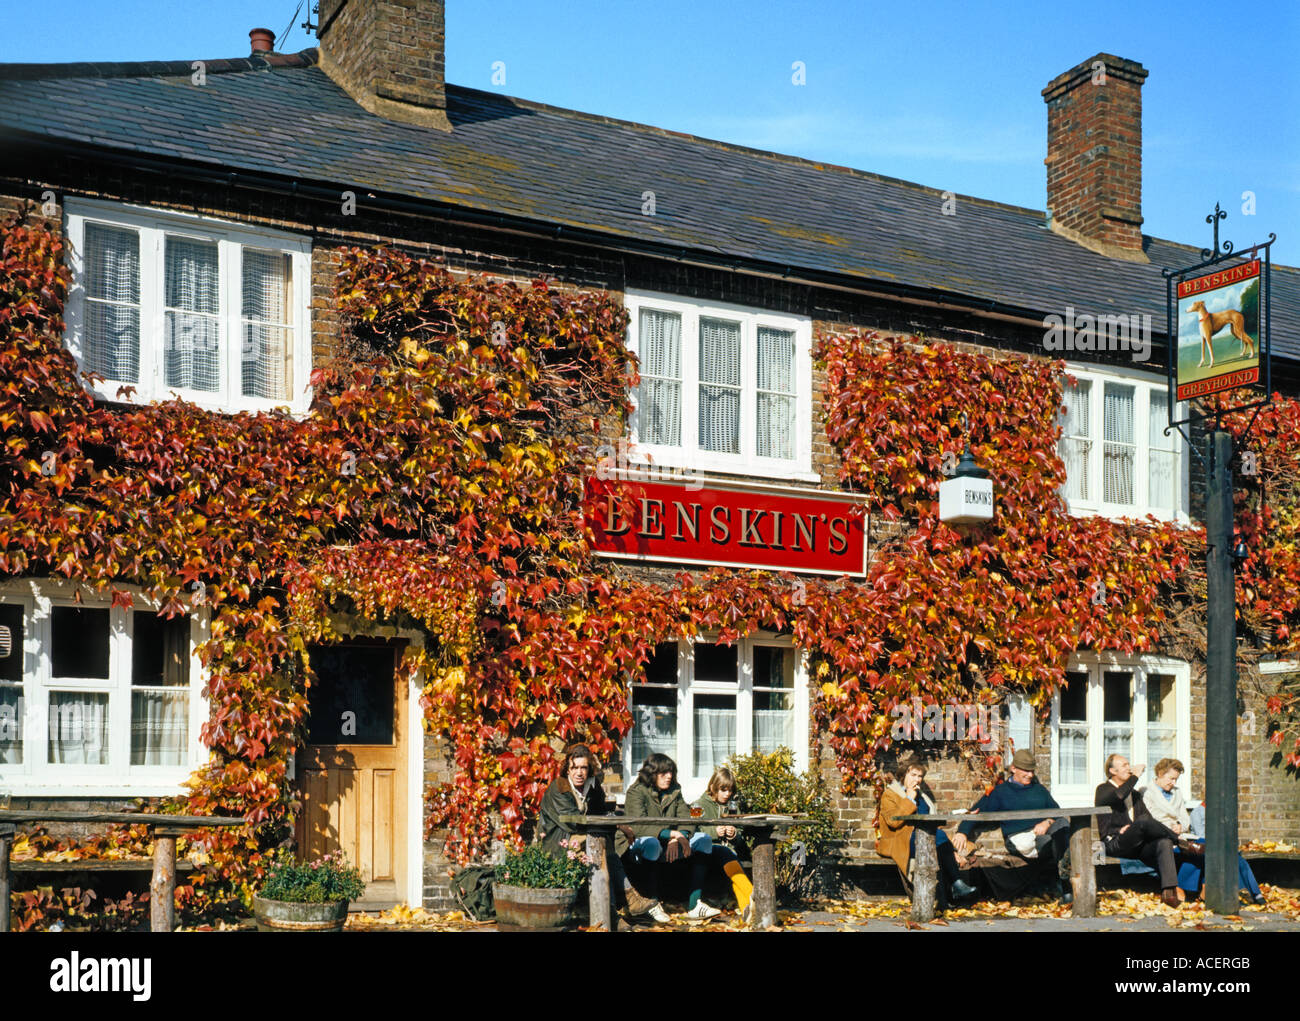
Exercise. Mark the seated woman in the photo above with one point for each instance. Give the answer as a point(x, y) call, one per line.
point(898, 841)
point(1166, 804)
point(578, 792)
point(714, 804)
point(656, 792)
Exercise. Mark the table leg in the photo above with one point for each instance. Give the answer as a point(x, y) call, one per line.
point(763, 915)
point(599, 899)
point(162, 888)
point(925, 875)
point(1083, 870)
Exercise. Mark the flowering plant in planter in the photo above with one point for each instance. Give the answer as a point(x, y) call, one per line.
point(536, 868)
point(325, 880)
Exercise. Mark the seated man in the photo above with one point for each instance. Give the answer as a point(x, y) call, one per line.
point(1130, 831)
point(1049, 838)
point(578, 792)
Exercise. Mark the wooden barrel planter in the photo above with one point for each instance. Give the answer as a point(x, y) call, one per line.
point(294, 916)
point(524, 909)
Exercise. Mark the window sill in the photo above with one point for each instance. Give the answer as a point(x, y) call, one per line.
point(699, 466)
point(108, 392)
point(82, 788)
point(1121, 515)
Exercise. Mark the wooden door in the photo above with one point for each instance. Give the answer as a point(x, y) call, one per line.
point(352, 772)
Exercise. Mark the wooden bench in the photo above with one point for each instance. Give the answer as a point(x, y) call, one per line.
point(163, 830)
point(600, 847)
point(1083, 872)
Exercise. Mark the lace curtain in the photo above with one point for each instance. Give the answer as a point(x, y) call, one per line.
point(159, 726)
point(659, 397)
point(79, 727)
point(719, 386)
point(1162, 471)
point(1076, 442)
point(112, 331)
point(192, 355)
point(1119, 450)
point(715, 737)
point(268, 324)
point(776, 393)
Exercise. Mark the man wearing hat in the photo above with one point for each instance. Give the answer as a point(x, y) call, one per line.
point(1025, 838)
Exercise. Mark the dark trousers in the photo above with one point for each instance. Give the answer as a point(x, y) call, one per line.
point(1151, 842)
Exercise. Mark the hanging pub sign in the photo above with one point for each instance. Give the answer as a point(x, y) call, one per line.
point(724, 524)
point(1220, 311)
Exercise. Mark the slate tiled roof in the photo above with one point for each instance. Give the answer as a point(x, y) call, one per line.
point(286, 117)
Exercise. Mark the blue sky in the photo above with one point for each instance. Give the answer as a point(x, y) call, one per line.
point(943, 93)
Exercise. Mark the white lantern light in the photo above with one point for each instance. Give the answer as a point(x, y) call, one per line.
point(967, 497)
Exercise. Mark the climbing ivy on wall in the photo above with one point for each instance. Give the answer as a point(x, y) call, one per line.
point(436, 486)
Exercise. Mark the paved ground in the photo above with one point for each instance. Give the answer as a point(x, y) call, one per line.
point(1119, 911)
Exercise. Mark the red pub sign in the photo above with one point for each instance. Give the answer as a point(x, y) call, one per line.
point(725, 525)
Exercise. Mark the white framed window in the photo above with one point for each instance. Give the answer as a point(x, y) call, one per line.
point(699, 702)
point(723, 388)
point(1118, 460)
point(97, 699)
point(1138, 706)
point(178, 305)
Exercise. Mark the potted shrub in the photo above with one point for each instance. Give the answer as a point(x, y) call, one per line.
point(309, 896)
point(537, 890)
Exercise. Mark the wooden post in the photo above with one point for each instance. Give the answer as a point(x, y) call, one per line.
point(162, 888)
point(764, 913)
point(599, 899)
point(6, 841)
point(925, 875)
point(1083, 870)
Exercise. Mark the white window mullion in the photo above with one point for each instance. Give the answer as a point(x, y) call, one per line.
point(745, 699)
point(690, 381)
point(802, 753)
point(119, 694)
point(1096, 717)
point(1140, 724)
point(153, 330)
point(1142, 453)
point(231, 254)
point(1097, 446)
point(685, 707)
point(748, 388)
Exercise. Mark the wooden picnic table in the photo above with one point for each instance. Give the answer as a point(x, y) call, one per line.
point(164, 829)
point(1083, 872)
point(600, 847)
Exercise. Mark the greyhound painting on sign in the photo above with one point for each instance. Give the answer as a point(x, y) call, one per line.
point(1218, 331)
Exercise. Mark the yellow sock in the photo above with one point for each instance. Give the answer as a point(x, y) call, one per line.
point(740, 884)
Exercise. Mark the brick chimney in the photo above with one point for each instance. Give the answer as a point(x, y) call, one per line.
point(389, 55)
point(1094, 155)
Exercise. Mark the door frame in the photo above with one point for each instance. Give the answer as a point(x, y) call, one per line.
point(351, 626)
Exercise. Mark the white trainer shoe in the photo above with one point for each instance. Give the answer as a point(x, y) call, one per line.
point(660, 915)
point(702, 910)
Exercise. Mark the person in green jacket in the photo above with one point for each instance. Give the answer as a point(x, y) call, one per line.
point(578, 792)
point(717, 800)
point(656, 792)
